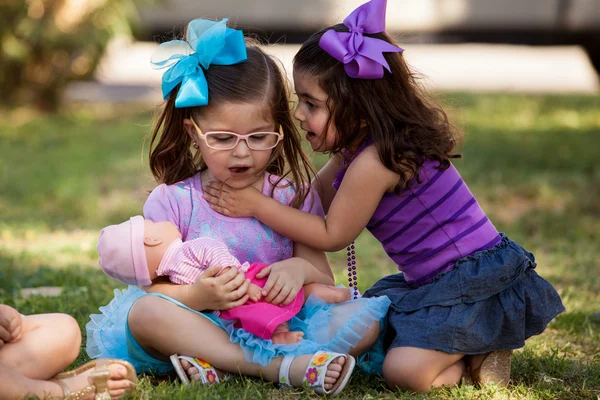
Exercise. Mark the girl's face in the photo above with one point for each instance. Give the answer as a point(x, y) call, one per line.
point(312, 112)
point(241, 166)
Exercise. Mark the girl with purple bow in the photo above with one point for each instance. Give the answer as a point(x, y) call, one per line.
point(466, 295)
point(227, 119)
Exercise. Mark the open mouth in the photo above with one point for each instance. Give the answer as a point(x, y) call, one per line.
point(239, 170)
point(310, 135)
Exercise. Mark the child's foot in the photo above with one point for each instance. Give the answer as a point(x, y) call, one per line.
point(341, 295)
point(286, 337)
point(300, 370)
point(117, 383)
point(194, 374)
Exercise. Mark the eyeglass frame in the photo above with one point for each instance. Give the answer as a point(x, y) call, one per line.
point(238, 137)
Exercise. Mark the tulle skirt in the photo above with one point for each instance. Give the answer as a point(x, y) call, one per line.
point(334, 327)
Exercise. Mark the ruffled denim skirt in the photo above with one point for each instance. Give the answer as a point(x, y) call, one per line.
point(491, 300)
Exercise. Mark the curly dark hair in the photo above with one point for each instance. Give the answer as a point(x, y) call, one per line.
point(405, 124)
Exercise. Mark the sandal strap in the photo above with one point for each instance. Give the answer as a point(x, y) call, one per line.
point(314, 377)
point(208, 373)
point(63, 386)
point(284, 371)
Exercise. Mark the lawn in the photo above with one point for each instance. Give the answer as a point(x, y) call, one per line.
point(530, 161)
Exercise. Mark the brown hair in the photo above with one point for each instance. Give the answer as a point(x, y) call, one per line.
point(406, 126)
point(259, 79)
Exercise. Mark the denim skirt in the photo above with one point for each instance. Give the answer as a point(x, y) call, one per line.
point(490, 300)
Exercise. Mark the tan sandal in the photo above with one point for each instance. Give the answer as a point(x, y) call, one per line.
point(98, 390)
point(495, 368)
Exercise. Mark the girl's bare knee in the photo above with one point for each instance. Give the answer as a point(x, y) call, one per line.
point(368, 340)
point(69, 334)
point(143, 316)
point(402, 374)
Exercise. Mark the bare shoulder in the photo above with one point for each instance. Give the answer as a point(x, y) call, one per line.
point(368, 165)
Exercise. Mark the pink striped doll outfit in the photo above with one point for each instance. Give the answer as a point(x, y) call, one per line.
point(184, 262)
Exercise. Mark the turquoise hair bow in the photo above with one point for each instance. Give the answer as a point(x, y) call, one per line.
point(207, 42)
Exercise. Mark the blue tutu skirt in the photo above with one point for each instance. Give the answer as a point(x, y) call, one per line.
point(491, 300)
point(334, 327)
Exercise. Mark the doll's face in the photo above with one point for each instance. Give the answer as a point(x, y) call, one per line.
point(158, 236)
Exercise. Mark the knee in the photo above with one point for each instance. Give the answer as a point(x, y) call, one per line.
point(368, 340)
point(402, 375)
point(67, 336)
point(143, 316)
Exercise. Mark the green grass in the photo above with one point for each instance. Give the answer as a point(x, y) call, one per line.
point(530, 161)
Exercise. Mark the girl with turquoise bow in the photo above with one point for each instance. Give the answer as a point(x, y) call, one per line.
point(227, 119)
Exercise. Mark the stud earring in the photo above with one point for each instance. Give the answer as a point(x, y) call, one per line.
point(196, 145)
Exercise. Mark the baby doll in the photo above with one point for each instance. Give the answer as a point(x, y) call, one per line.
point(137, 251)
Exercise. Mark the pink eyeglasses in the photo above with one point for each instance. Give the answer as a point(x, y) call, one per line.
point(221, 140)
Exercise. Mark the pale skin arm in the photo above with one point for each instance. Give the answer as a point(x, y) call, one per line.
point(364, 184)
point(209, 292)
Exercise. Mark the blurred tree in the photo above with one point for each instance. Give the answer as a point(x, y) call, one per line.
point(44, 44)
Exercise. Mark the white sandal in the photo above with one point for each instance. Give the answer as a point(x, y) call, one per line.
point(208, 374)
point(314, 376)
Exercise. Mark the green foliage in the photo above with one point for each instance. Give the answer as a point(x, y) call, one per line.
point(530, 160)
point(44, 44)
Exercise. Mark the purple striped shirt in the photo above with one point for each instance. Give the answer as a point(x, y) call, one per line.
point(430, 226)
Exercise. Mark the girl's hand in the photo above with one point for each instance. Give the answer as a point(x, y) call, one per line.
point(222, 292)
point(283, 284)
point(232, 202)
point(11, 325)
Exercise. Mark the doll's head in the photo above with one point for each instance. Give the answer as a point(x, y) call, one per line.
point(131, 251)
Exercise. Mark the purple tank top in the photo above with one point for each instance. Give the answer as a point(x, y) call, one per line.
point(430, 226)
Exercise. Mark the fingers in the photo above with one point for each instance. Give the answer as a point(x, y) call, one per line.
point(271, 281)
point(212, 271)
point(281, 296)
point(235, 283)
point(5, 335)
point(274, 291)
point(226, 275)
point(264, 273)
point(290, 297)
point(237, 303)
point(240, 291)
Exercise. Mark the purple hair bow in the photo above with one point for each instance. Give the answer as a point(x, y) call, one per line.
point(362, 56)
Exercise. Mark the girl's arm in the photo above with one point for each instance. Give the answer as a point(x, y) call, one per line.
point(362, 188)
point(323, 182)
point(209, 292)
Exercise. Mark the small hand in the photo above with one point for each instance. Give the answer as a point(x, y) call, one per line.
point(283, 284)
point(222, 292)
point(230, 201)
point(254, 292)
point(11, 325)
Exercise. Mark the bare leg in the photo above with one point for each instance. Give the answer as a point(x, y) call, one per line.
point(15, 385)
point(419, 370)
point(282, 335)
point(153, 321)
point(329, 294)
point(49, 343)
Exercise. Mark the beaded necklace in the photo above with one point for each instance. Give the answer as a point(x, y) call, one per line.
point(352, 279)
